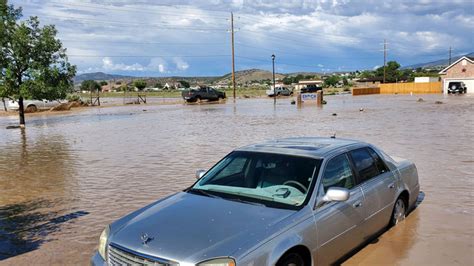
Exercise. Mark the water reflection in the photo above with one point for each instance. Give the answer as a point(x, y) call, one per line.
point(35, 167)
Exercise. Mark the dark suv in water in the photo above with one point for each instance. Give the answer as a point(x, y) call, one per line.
point(457, 87)
point(202, 93)
point(311, 88)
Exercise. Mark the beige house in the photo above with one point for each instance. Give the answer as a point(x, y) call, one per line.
point(462, 70)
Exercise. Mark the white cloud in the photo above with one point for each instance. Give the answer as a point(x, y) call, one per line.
point(108, 64)
point(159, 64)
point(180, 64)
point(105, 35)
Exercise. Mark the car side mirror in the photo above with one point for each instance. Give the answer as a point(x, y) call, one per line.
point(200, 173)
point(336, 194)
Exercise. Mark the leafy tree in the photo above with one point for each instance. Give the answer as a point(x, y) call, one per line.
point(159, 85)
point(287, 80)
point(124, 87)
point(103, 83)
point(90, 85)
point(33, 62)
point(9, 16)
point(366, 74)
point(3, 95)
point(331, 81)
point(184, 83)
point(392, 72)
point(139, 84)
point(345, 82)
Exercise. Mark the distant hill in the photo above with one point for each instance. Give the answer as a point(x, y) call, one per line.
point(249, 76)
point(438, 64)
point(241, 77)
point(97, 76)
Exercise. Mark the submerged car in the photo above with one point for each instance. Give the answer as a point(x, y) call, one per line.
point(294, 201)
point(202, 93)
point(311, 88)
point(279, 91)
point(457, 87)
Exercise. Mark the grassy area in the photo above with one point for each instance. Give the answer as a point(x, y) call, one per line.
point(240, 92)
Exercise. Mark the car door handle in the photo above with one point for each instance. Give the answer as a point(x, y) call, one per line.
point(391, 185)
point(357, 204)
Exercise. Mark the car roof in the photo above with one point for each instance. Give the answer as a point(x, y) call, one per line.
point(317, 147)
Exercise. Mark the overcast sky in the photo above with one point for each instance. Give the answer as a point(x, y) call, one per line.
point(178, 37)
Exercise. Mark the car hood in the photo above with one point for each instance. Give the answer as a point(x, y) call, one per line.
point(191, 228)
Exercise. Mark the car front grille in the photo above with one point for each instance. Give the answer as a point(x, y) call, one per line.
point(118, 255)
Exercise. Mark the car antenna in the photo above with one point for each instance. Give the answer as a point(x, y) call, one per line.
point(333, 136)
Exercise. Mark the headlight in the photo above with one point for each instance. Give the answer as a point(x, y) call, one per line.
point(103, 242)
point(218, 262)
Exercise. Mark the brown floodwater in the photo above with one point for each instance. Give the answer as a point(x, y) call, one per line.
point(67, 176)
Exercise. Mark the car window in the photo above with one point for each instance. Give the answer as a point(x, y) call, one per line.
point(338, 173)
point(378, 161)
point(235, 166)
point(365, 164)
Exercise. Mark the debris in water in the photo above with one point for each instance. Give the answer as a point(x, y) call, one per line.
point(246, 96)
point(293, 102)
point(438, 102)
point(334, 114)
point(420, 100)
point(144, 110)
point(361, 109)
point(12, 127)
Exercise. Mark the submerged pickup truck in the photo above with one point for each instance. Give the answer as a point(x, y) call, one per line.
point(34, 105)
point(202, 93)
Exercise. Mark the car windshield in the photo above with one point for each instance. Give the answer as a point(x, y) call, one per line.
point(262, 177)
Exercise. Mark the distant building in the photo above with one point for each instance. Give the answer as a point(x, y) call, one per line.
point(426, 79)
point(462, 70)
point(373, 82)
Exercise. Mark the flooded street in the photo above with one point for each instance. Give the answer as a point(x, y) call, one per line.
point(70, 175)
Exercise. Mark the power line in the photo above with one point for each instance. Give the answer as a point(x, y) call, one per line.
point(233, 54)
point(78, 55)
point(450, 50)
point(384, 59)
point(151, 43)
point(124, 9)
point(134, 24)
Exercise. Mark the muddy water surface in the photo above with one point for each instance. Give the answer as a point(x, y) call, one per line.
point(67, 176)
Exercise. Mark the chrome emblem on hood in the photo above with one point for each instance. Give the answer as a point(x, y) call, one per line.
point(145, 238)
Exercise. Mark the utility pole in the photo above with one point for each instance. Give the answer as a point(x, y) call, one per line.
point(273, 75)
point(233, 57)
point(384, 59)
point(450, 50)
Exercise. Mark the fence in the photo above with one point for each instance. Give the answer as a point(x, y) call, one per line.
point(365, 91)
point(411, 87)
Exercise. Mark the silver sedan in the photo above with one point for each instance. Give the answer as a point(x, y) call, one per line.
point(295, 201)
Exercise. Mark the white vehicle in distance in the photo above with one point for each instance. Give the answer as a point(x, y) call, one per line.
point(279, 91)
point(33, 105)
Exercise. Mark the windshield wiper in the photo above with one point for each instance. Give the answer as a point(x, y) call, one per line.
point(203, 193)
point(246, 201)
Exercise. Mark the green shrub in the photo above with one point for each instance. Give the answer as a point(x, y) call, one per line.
point(73, 98)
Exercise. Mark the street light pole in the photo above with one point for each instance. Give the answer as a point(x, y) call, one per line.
point(274, 87)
